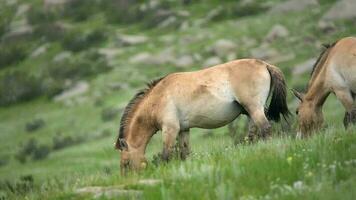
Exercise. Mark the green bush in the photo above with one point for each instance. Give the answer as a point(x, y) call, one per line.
point(41, 152)
point(75, 40)
point(12, 53)
point(17, 86)
point(60, 142)
point(32, 149)
point(84, 65)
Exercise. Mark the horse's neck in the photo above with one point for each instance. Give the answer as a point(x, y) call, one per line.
point(140, 131)
point(317, 89)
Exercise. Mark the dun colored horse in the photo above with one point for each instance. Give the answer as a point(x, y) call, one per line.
point(208, 98)
point(334, 72)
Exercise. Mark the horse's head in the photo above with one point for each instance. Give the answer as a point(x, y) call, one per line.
point(131, 159)
point(310, 117)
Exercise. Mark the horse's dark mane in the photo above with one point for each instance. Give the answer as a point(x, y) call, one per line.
point(320, 59)
point(132, 105)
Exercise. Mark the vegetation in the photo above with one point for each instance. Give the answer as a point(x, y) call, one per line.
point(58, 137)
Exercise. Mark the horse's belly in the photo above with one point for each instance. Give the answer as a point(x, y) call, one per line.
point(212, 115)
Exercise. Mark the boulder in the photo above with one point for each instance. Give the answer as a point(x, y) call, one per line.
point(64, 55)
point(171, 21)
point(112, 192)
point(343, 9)
point(264, 52)
point(184, 61)
point(223, 47)
point(293, 6)
point(276, 32)
point(39, 51)
point(18, 32)
point(77, 90)
point(129, 40)
point(304, 67)
point(212, 61)
point(146, 59)
point(22, 10)
point(52, 4)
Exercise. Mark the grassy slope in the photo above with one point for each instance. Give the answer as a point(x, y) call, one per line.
point(325, 164)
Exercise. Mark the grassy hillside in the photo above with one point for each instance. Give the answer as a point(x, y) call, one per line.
point(54, 143)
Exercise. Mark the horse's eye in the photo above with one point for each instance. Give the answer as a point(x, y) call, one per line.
point(297, 112)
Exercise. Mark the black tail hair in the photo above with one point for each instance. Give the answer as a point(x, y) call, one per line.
point(278, 104)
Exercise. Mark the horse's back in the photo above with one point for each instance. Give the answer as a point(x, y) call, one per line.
point(342, 62)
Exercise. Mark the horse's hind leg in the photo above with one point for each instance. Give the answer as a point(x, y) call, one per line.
point(259, 118)
point(184, 146)
point(169, 134)
point(252, 131)
point(344, 95)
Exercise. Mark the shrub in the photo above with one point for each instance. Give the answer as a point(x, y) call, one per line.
point(75, 40)
point(82, 66)
point(41, 152)
point(34, 125)
point(18, 86)
point(60, 142)
point(33, 150)
point(12, 53)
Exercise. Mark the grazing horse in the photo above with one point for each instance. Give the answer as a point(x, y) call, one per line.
point(208, 98)
point(334, 72)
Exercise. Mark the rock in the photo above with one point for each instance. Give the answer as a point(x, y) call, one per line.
point(110, 54)
point(276, 32)
point(213, 14)
point(344, 9)
point(78, 89)
point(129, 40)
point(109, 192)
point(184, 61)
point(231, 56)
point(171, 21)
point(212, 61)
point(149, 182)
point(293, 6)
point(22, 10)
point(145, 58)
point(328, 27)
point(18, 32)
point(304, 67)
point(40, 50)
point(248, 42)
point(51, 4)
point(118, 86)
point(264, 52)
point(62, 56)
point(223, 47)
point(34, 125)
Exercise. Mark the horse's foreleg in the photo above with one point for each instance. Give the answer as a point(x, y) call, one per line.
point(184, 146)
point(169, 134)
point(344, 95)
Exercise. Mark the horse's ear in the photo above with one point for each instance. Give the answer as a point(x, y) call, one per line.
point(299, 95)
point(123, 145)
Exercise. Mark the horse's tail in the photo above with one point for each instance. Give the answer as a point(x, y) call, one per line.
point(278, 104)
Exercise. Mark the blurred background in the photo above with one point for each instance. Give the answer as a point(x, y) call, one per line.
point(69, 67)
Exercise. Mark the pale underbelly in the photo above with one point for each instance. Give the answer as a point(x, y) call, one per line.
point(210, 116)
